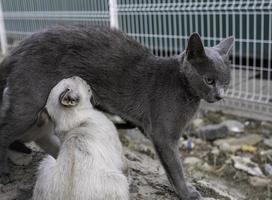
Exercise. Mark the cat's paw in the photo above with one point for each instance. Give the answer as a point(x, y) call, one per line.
point(193, 194)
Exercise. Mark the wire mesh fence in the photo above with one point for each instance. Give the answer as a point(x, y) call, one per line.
point(164, 27)
point(22, 17)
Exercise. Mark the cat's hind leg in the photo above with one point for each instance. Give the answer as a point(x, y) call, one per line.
point(17, 120)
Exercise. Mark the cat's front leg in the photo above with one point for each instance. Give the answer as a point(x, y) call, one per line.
point(169, 155)
point(164, 128)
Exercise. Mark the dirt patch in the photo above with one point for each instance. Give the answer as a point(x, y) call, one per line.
point(215, 179)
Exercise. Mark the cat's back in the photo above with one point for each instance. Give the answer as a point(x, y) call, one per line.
point(58, 41)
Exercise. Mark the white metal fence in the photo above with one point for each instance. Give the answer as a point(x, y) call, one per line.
point(23, 17)
point(164, 27)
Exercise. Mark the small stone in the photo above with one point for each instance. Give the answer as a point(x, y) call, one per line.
point(225, 147)
point(197, 123)
point(246, 165)
point(215, 151)
point(266, 153)
point(267, 125)
point(212, 132)
point(192, 161)
point(268, 142)
point(206, 167)
point(228, 170)
point(249, 148)
point(237, 143)
point(217, 131)
point(268, 169)
point(20, 159)
point(259, 182)
point(234, 126)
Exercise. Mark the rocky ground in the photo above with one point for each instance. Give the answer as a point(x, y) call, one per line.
point(230, 160)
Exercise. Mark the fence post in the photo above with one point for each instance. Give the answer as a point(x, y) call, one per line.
point(113, 14)
point(3, 36)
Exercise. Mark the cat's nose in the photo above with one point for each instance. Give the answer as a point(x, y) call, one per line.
point(220, 94)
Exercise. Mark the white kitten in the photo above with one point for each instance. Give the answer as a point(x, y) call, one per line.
point(90, 164)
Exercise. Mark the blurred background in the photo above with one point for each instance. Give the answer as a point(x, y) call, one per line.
point(227, 149)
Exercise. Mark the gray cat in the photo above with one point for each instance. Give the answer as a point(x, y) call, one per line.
point(159, 95)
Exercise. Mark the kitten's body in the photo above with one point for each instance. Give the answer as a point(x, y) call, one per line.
point(89, 165)
point(160, 95)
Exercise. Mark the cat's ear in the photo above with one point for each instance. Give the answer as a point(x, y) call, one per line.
point(69, 98)
point(225, 46)
point(195, 48)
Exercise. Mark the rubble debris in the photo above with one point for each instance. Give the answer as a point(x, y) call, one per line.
point(225, 147)
point(209, 166)
point(237, 143)
point(267, 125)
point(192, 161)
point(219, 191)
point(266, 153)
point(206, 167)
point(234, 126)
point(259, 181)
point(249, 148)
point(212, 132)
point(198, 122)
point(187, 144)
point(190, 144)
point(268, 169)
point(245, 164)
point(217, 131)
point(268, 142)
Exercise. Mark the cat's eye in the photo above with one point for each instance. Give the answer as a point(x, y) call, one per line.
point(209, 81)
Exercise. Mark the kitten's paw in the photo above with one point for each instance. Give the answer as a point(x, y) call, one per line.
point(193, 194)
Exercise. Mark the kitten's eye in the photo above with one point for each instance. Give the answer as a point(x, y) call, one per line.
point(209, 81)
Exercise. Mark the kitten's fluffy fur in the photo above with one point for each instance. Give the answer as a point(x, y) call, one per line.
point(89, 165)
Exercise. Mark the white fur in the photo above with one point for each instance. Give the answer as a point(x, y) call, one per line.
point(89, 165)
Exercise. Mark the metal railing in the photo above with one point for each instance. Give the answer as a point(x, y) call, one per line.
point(164, 27)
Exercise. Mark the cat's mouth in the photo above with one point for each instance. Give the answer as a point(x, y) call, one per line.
point(213, 100)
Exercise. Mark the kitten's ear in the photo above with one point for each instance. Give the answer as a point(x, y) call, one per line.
point(69, 98)
point(195, 48)
point(225, 46)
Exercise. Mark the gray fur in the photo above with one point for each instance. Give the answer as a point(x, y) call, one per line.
point(160, 95)
point(41, 132)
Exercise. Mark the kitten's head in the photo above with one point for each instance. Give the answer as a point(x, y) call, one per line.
point(67, 98)
point(207, 69)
